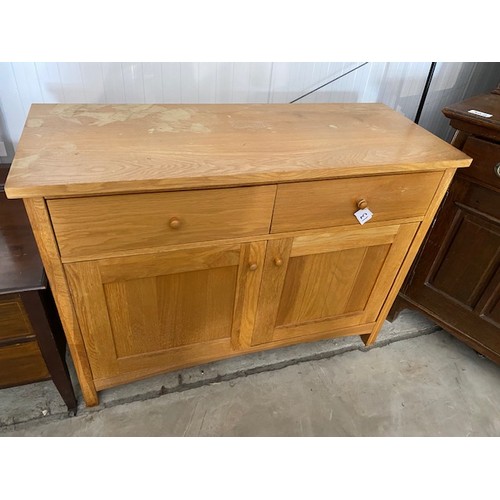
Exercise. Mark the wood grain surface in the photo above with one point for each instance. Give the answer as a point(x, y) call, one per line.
point(308, 205)
point(179, 234)
point(47, 245)
point(456, 279)
point(485, 103)
point(22, 364)
point(78, 149)
point(410, 255)
point(135, 310)
point(333, 280)
point(101, 225)
point(13, 320)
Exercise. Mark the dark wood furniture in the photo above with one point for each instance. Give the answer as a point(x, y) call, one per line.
point(32, 343)
point(455, 280)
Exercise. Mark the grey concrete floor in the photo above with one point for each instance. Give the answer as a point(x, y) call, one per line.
point(416, 381)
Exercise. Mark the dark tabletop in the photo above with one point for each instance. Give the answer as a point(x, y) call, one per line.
point(486, 103)
point(20, 266)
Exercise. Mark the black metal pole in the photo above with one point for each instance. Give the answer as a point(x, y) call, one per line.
point(328, 83)
point(424, 93)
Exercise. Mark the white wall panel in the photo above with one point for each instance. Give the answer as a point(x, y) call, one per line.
point(171, 75)
point(189, 83)
point(291, 80)
point(114, 83)
point(398, 85)
point(313, 77)
point(224, 82)
point(401, 86)
point(12, 112)
point(206, 82)
point(133, 82)
point(72, 82)
point(349, 88)
point(259, 81)
point(28, 86)
point(241, 83)
point(49, 81)
point(93, 82)
point(153, 82)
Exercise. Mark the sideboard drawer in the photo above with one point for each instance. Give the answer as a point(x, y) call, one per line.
point(13, 320)
point(316, 204)
point(21, 364)
point(485, 165)
point(102, 225)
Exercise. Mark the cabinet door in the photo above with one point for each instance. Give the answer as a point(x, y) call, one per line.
point(145, 314)
point(457, 278)
point(328, 284)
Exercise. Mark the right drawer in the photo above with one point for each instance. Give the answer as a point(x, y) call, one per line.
point(317, 204)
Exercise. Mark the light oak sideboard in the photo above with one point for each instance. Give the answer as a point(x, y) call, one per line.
point(174, 235)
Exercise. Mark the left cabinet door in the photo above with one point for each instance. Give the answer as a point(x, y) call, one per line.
point(149, 313)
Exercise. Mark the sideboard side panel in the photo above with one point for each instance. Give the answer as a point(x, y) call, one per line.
point(42, 229)
point(412, 252)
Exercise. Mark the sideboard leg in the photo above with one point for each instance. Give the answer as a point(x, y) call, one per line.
point(49, 252)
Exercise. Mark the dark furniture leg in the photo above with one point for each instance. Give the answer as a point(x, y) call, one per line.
point(400, 304)
point(44, 322)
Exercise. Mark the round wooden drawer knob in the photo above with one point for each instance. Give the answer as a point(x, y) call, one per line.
point(174, 223)
point(278, 262)
point(362, 203)
point(253, 266)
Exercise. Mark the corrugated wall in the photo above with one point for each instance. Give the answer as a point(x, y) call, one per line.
point(398, 85)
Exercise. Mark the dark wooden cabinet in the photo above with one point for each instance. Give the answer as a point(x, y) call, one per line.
point(32, 343)
point(455, 280)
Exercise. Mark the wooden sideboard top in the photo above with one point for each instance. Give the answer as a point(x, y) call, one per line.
point(79, 149)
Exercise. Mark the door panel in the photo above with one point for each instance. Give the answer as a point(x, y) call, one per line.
point(154, 314)
point(328, 281)
point(138, 313)
point(457, 277)
point(455, 274)
point(489, 306)
point(324, 285)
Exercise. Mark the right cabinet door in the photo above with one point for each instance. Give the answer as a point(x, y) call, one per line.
point(327, 284)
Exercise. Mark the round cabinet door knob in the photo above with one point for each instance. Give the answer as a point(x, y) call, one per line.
point(497, 169)
point(362, 203)
point(278, 262)
point(174, 223)
point(253, 266)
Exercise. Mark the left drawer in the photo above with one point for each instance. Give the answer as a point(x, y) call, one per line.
point(100, 226)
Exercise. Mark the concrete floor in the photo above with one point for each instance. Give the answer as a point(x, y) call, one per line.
point(416, 381)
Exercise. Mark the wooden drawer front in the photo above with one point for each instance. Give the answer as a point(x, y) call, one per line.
point(307, 205)
point(22, 364)
point(13, 320)
point(486, 161)
point(98, 226)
